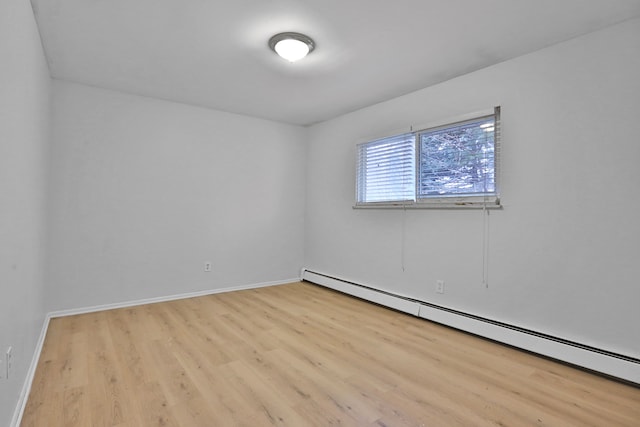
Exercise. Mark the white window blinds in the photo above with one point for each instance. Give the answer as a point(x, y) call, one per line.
point(386, 170)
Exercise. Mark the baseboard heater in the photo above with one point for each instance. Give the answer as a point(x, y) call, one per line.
point(605, 362)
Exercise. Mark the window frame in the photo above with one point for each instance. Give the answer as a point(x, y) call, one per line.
point(445, 201)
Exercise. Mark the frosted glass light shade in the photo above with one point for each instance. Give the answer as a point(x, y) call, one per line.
point(291, 50)
point(291, 46)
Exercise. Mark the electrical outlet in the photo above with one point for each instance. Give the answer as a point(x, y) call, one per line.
point(7, 361)
point(440, 286)
point(207, 266)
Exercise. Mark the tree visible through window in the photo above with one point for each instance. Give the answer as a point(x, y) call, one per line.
point(458, 160)
point(453, 165)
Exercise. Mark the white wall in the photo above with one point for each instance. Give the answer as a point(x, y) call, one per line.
point(24, 130)
point(564, 252)
point(145, 191)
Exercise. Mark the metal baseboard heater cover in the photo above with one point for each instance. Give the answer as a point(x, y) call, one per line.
point(605, 362)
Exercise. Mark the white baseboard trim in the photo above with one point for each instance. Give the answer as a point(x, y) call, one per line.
point(26, 389)
point(599, 360)
point(102, 307)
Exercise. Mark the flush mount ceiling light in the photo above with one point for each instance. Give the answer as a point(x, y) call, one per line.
point(291, 46)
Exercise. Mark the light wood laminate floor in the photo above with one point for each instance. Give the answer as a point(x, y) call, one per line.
point(301, 355)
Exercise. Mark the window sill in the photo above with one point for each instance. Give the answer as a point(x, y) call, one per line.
point(493, 204)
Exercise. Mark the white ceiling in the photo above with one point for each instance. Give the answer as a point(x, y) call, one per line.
point(214, 53)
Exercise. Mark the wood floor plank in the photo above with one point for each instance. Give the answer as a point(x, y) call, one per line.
point(301, 355)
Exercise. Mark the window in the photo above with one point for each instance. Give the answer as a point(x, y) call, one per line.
point(455, 165)
point(387, 169)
